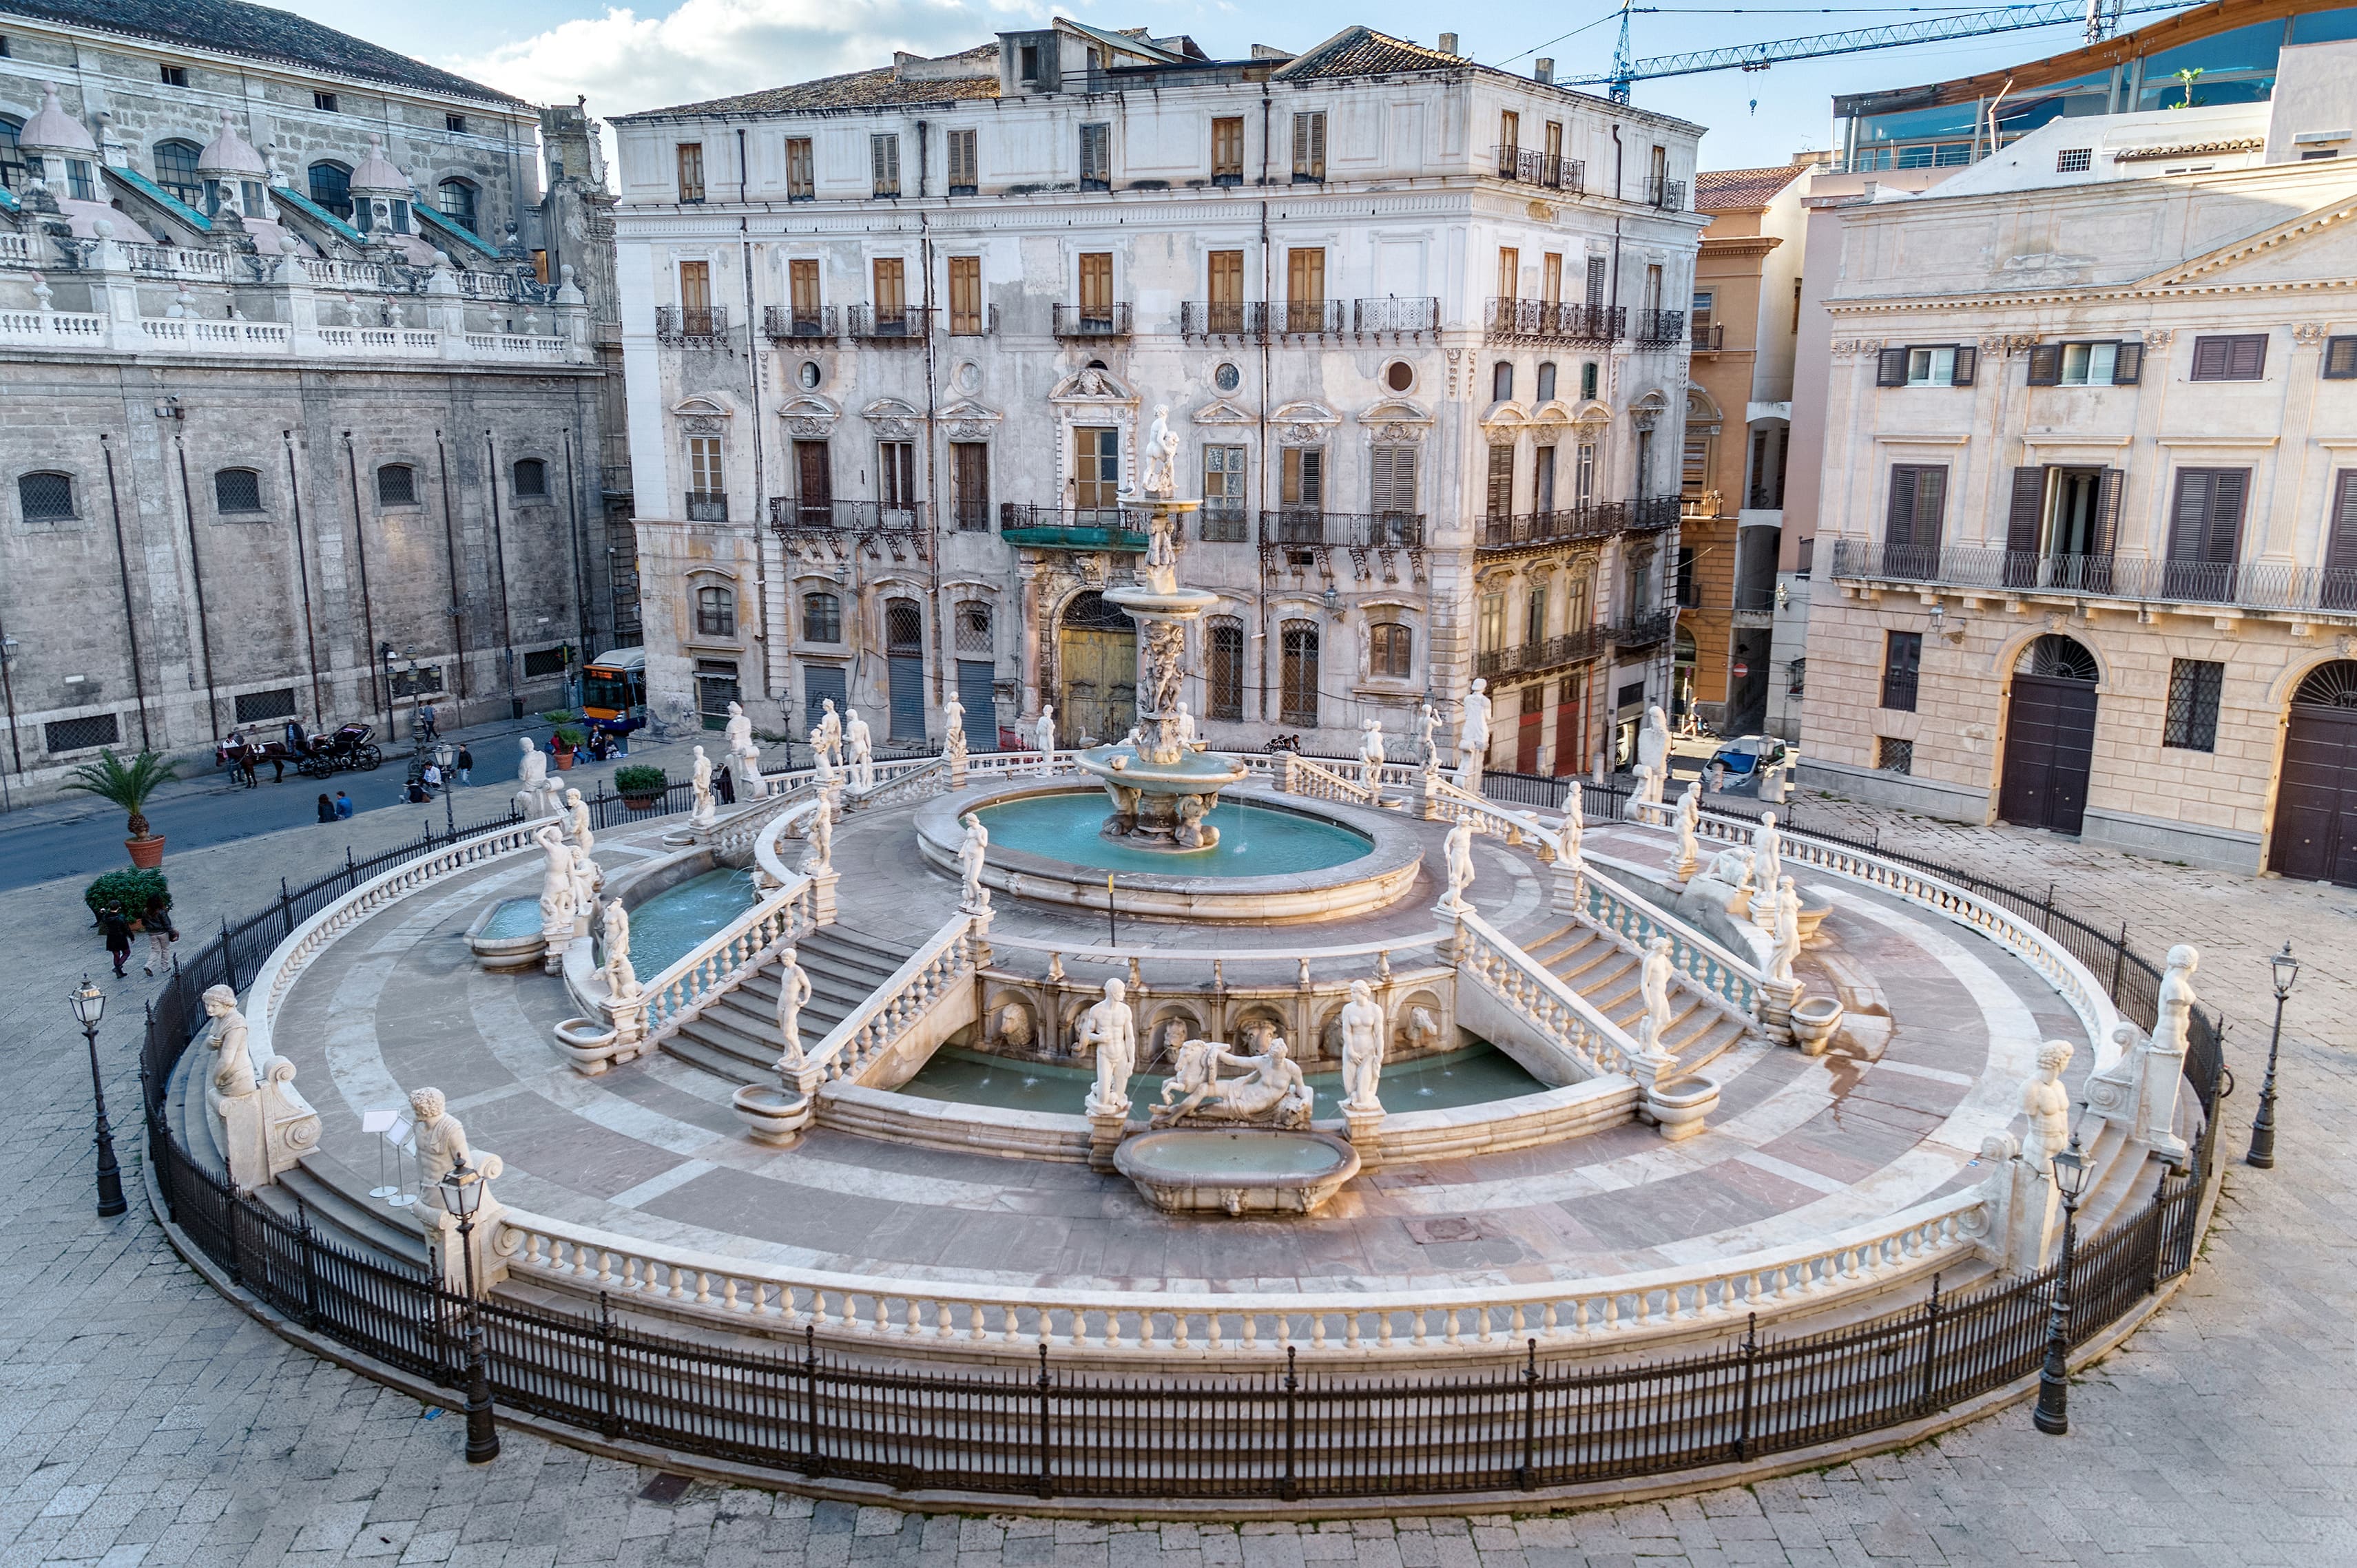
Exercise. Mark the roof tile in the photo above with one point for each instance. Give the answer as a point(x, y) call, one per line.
point(1741, 189)
point(1362, 51)
point(855, 90)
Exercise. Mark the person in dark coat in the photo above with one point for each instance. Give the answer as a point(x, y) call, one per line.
point(327, 810)
point(157, 921)
point(116, 926)
point(725, 787)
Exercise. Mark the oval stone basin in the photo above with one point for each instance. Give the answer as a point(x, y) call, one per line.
point(1195, 1170)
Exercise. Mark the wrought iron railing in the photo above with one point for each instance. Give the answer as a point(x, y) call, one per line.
point(1669, 195)
point(1645, 629)
point(1530, 166)
point(1400, 317)
point(706, 506)
point(2247, 585)
point(1707, 336)
point(781, 322)
point(1305, 319)
point(1650, 513)
point(908, 324)
point(1110, 320)
point(1100, 528)
point(1556, 321)
point(1547, 653)
point(1659, 329)
point(789, 514)
point(1357, 529)
point(1224, 319)
point(700, 326)
point(1224, 525)
point(1525, 530)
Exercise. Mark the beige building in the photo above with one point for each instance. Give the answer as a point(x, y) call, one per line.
point(2087, 518)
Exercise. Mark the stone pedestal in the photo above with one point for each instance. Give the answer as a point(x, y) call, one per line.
point(449, 1250)
point(1106, 1130)
point(1570, 893)
point(1775, 1010)
point(1364, 1129)
point(245, 1142)
point(823, 896)
point(774, 1115)
point(2139, 1092)
point(1431, 792)
point(2023, 1208)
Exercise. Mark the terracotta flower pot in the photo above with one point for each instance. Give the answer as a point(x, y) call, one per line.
point(642, 802)
point(146, 853)
point(565, 761)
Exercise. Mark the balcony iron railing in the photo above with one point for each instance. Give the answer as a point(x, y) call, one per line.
point(1645, 629)
point(1527, 167)
point(2251, 585)
point(780, 323)
point(1526, 529)
point(791, 514)
point(1093, 320)
point(1068, 528)
point(1347, 529)
point(1707, 336)
point(1669, 195)
point(1224, 525)
point(1650, 514)
point(1550, 653)
point(1408, 316)
point(1305, 318)
point(1224, 319)
point(982, 323)
point(1659, 329)
point(698, 327)
point(1556, 321)
point(909, 323)
point(706, 506)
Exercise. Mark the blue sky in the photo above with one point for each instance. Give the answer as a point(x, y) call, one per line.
point(669, 51)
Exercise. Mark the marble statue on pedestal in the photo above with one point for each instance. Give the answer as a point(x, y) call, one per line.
point(859, 746)
point(2140, 1090)
point(1653, 749)
point(621, 980)
point(700, 777)
point(577, 822)
point(232, 1065)
point(1427, 721)
point(953, 728)
point(738, 731)
point(820, 859)
point(828, 737)
point(1654, 986)
point(1689, 822)
point(750, 785)
point(1271, 1093)
point(1043, 737)
point(1157, 457)
point(587, 877)
point(1185, 726)
point(972, 851)
point(1786, 929)
point(1362, 1047)
point(1766, 866)
point(1456, 850)
point(2047, 1103)
point(1370, 759)
point(1110, 1029)
point(537, 795)
point(826, 779)
point(1567, 836)
point(1473, 738)
point(440, 1140)
point(556, 904)
point(793, 995)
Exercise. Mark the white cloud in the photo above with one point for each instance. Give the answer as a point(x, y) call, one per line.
point(712, 48)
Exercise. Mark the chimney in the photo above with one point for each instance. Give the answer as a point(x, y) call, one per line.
point(1449, 43)
point(1543, 70)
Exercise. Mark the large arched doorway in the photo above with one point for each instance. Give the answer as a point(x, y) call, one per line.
point(1096, 663)
point(2050, 735)
point(2316, 803)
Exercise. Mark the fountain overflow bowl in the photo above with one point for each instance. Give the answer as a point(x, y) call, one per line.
point(1236, 1171)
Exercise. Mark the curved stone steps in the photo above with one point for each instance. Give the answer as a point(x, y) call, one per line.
point(736, 1039)
point(1607, 976)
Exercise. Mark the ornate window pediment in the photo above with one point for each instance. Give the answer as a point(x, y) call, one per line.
point(1506, 412)
point(968, 420)
point(892, 417)
point(1090, 385)
point(1395, 421)
point(808, 417)
point(1592, 412)
point(1220, 411)
point(1703, 416)
point(1303, 422)
point(702, 416)
point(1646, 410)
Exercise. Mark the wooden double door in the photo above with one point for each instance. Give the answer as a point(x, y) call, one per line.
point(2050, 750)
point(2316, 800)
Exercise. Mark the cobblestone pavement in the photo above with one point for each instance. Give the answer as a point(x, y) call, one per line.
point(152, 1422)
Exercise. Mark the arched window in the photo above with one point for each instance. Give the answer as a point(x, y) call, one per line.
point(822, 618)
point(46, 498)
point(2059, 657)
point(331, 187)
point(396, 485)
point(904, 627)
point(530, 478)
point(236, 490)
point(974, 639)
point(1501, 381)
point(176, 171)
point(454, 200)
point(1390, 647)
point(1223, 675)
point(1298, 699)
point(1546, 381)
point(715, 612)
point(12, 158)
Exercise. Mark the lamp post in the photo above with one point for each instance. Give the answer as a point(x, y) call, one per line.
point(2263, 1127)
point(462, 1196)
point(89, 1006)
point(2053, 1417)
point(446, 757)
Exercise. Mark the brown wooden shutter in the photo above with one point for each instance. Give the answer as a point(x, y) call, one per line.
point(2128, 367)
point(2022, 523)
point(2209, 364)
point(2107, 512)
point(1501, 501)
point(2224, 533)
point(802, 277)
point(1968, 360)
point(1394, 481)
point(2189, 518)
point(2247, 359)
point(2340, 358)
point(1930, 505)
point(1891, 369)
point(1898, 528)
point(2046, 365)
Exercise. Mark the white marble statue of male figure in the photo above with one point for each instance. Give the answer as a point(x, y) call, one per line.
point(974, 851)
point(233, 1065)
point(1456, 851)
point(577, 822)
point(700, 777)
point(535, 791)
point(1689, 823)
point(1567, 837)
point(2047, 1104)
point(1766, 866)
point(1371, 758)
point(859, 746)
point(441, 1142)
point(1654, 987)
point(622, 979)
point(1654, 750)
point(1109, 1028)
point(793, 995)
point(1157, 454)
point(1185, 726)
point(829, 736)
point(556, 906)
point(1362, 1047)
point(1473, 738)
point(820, 860)
point(1427, 721)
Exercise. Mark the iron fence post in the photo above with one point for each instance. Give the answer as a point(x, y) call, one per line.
point(286, 909)
point(229, 959)
point(1290, 1487)
point(2119, 960)
point(310, 1269)
point(1931, 1347)
point(609, 1418)
point(813, 1463)
point(1751, 1381)
point(1044, 1485)
point(1526, 1473)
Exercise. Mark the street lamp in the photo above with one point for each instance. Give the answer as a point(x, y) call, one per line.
point(446, 757)
point(462, 1196)
point(2053, 1418)
point(2263, 1128)
point(89, 1006)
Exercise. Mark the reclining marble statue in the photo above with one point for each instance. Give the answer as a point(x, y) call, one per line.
point(1272, 1091)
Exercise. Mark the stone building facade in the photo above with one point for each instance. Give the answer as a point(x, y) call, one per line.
point(893, 340)
point(2086, 551)
point(305, 415)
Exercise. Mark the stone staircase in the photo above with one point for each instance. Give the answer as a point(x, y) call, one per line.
point(736, 1039)
point(1609, 978)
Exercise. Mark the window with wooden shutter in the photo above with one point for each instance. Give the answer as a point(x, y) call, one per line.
point(1302, 485)
point(1228, 150)
point(1096, 466)
point(801, 286)
point(1223, 493)
point(965, 163)
point(1305, 289)
point(891, 291)
point(1542, 481)
point(1226, 282)
point(895, 473)
point(802, 169)
point(1310, 147)
point(691, 171)
point(2023, 523)
point(2046, 365)
point(970, 485)
point(1392, 495)
point(1096, 288)
point(1890, 367)
point(1596, 266)
point(965, 296)
point(1096, 156)
point(1510, 137)
point(1510, 272)
point(696, 287)
point(2338, 590)
point(2127, 362)
point(1551, 277)
point(2205, 528)
point(2241, 358)
point(1500, 493)
point(2340, 358)
point(884, 164)
point(1967, 362)
point(1919, 504)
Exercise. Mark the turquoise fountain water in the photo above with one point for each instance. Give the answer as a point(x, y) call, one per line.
point(514, 918)
point(1474, 1075)
point(667, 925)
point(1254, 841)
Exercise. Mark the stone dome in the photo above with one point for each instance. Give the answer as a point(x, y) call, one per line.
point(376, 176)
point(52, 130)
point(230, 156)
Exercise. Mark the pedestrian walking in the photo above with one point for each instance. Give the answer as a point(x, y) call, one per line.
point(426, 719)
point(327, 808)
point(343, 806)
point(466, 764)
point(157, 921)
point(725, 787)
point(115, 926)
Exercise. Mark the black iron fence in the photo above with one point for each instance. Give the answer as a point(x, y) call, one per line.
point(1289, 1432)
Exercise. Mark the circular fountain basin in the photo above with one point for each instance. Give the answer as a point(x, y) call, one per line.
point(507, 936)
point(1279, 858)
point(1192, 1170)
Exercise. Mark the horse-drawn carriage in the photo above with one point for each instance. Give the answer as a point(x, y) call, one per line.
point(345, 749)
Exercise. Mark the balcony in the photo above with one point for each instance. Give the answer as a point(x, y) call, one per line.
point(1305, 318)
point(1537, 658)
point(1093, 320)
point(2272, 587)
point(783, 323)
point(1395, 317)
point(1659, 329)
point(1650, 514)
point(1554, 321)
point(903, 324)
point(700, 326)
point(706, 506)
point(1225, 525)
point(1224, 319)
point(1067, 528)
point(1343, 530)
point(1668, 195)
point(1537, 530)
point(792, 517)
point(1525, 167)
point(1643, 630)
point(982, 323)
point(1707, 336)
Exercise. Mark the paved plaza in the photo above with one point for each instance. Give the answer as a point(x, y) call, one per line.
point(154, 1422)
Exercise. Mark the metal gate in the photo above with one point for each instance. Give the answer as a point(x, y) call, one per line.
point(904, 650)
point(1096, 663)
point(2316, 803)
point(820, 681)
point(715, 688)
point(973, 688)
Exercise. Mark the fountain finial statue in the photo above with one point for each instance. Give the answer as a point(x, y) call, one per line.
point(1157, 477)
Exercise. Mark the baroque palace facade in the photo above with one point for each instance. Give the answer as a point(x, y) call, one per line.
point(892, 338)
point(306, 416)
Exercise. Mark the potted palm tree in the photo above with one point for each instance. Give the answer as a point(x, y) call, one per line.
point(128, 785)
point(640, 787)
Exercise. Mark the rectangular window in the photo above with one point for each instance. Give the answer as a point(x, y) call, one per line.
point(1583, 474)
point(2193, 688)
point(1096, 466)
point(2205, 532)
point(696, 287)
point(1303, 484)
point(1930, 367)
point(1534, 615)
point(1510, 272)
point(1652, 289)
point(236, 490)
point(970, 485)
point(1298, 694)
point(1703, 299)
point(1490, 629)
point(691, 171)
point(173, 76)
point(895, 474)
point(1553, 174)
point(802, 283)
point(543, 661)
point(965, 163)
point(814, 484)
point(1542, 481)
point(884, 164)
point(2340, 358)
point(1902, 660)
point(822, 618)
point(1551, 277)
point(1224, 683)
point(1578, 602)
point(1096, 157)
point(1594, 300)
point(1096, 289)
point(1918, 505)
point(965, 296)
point(2074, 160)
point(891, 291)
point(455, 123)
point(1228, 150)
point(2338, 590)
point(2242, 358)
point(1028, 63)
point(1892, 755)
point(802, 170)
point(1694, 470)
point(1305, 288)
point(81, 734)
point(715, 612)
point(703, 470)
point(324, 101)
point(1510, 137)
point(1223, 493)
point(1689, 594)
point(258, 707)
point(1309, 148)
